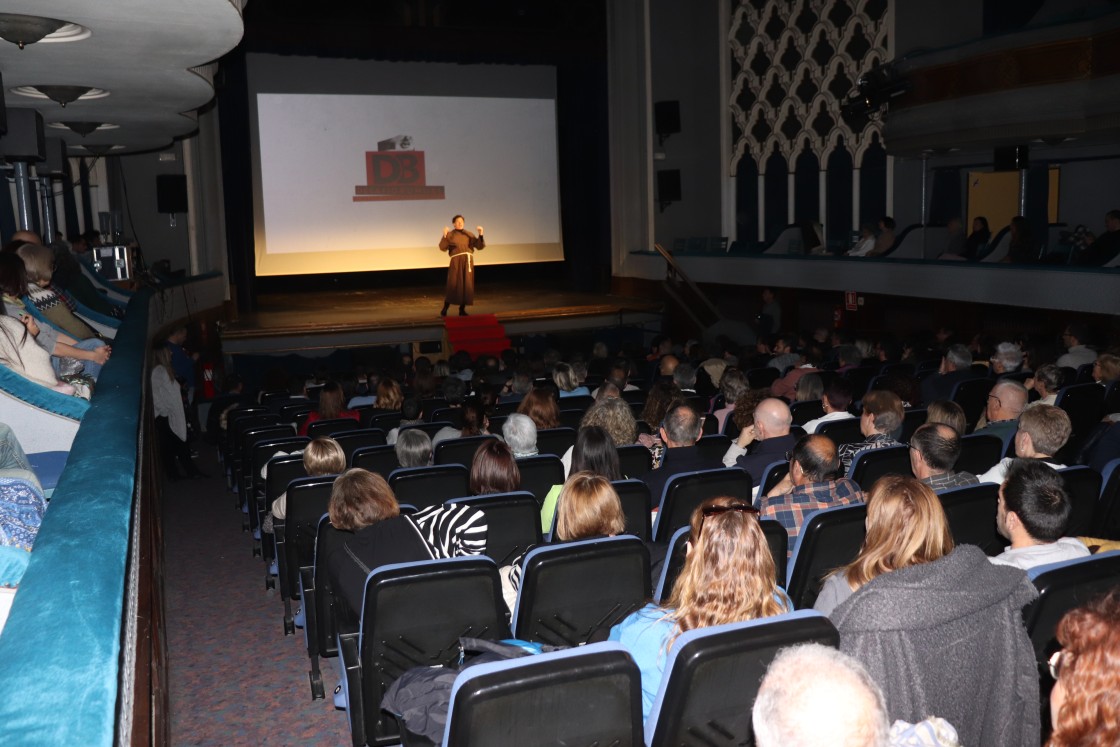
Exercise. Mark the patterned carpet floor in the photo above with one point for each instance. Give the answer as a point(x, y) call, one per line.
point(235, 678)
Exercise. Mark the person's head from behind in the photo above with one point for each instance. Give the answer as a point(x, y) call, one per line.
point(934, 449)
point(411, 409)
point(588, 506)
point(324, 456)
point(1006, 401)
point(413, 448)
point(1032, 501)
point(814, 459)
point(684, 376)
point(814, 695)
point(615, 417)
point(957, 358)
point(541, 407)
point(1043, 431)
point(733, 385)
point(389, 396)
point(13, 275)
point(772, 418)
point(454, 389)
point(1007, 358)
point(595, 453)
point(564, 376)
point(882, 412)
point(809, 387)
point(359, 499)
point(1106, 369)
point(330, 400)
point(38, 261)
point(475, 422)
point(682, 426)
point(1047, 379)
point(906, 526)
point(837, 396)
point(658, 399)
point(520, 433)
point(728, 573)
point(493, 469)
point(948, 412)
point(1084, 708)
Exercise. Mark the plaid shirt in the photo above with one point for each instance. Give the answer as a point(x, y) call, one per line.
point(791, 509)
point(948, 480)
point(847, 452)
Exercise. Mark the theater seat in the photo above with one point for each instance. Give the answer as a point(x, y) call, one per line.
point(777, 540)
point(684, 492)
point(829, 538)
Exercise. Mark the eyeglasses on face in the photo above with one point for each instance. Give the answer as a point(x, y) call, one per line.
point(716, 510)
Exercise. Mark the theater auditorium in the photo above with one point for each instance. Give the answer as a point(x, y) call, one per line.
point(530, 372)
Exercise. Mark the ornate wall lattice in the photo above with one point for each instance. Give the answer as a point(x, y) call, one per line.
point(793, 63)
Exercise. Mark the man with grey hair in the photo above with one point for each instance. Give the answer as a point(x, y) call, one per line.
point(680, 430)
point(520, 434)
point(881, 419)
point(1006, 403)
point(814, 695)
point(956, 366)
point(1008, 358)
point(684, 376)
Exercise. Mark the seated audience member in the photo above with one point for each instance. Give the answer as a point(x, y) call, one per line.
point(1102, 249)
point(728, 576)
point(1006, 403)
point(764, 442)
point(934, 450)
point(865, 243)
point(884, 242)
point(413, 448)
point(666, 366)
point(848, 356)
point(811, 484)
point(948, 412)
point(22, 506)
point(743, 417)
point(586, 507)
point(612, 415)
point(1022, 248)
point(520, 384)
point(170, 417)
point(905, 526)
point(810, 388)
point(955, 241)
point(1047, 381)
point(1043, 430)
point(37, 261)
point(679, 432)
point(494, 469)
point(809, 362)
point(564, 376)
point(1033, 513)
point(835, 401)
point(20, 354)
point(389, 395)
point(323, 456)
point(411, 414)
point(93, 352)
point(520, 434)
point(331, 401)
point(1084, 709)
point(1106, 369)
point(978, 240)
point(1008, 358)
point(475, 423)
point(607, 390)
point(540, 406)
point(68, 276)
point(684, 376)
point(814, 695)
point(12, 455)
point(364, 509)
point(881, 419)
point(1075, 338)
point(733, 384)
point(660, 396)
point(784, 354)
point(594, 453)
point(925, 633)
point(956, 366)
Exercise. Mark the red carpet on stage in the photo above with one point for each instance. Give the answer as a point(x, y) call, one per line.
point(477, 335)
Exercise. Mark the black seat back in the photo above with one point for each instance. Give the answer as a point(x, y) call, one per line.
point(1107, 518)
point(979, 453)
point(842, 431)
point(634, 460)
point(636, 507)
point(586, 696)
point(971, 512)
point(379, 459)
point(774, 473)
point(972, 396)
point(539, 473)
point(1084, 404)
point(762, 378)
point(331, 426)
point(869, 466)
point(713, 676)
point(386, 421)
point(453, 415)
point(911, 421)
point(459, 450)
point(513, 523)
point(803, 412)
point(829, 538)
point(684, 492)
point(430, 486)
point(573, 592)
point(1083, 486)
point(281, 471)
point(1062, 587)
point(712, 448)
point(555, 441)
point(307, 501)
point(359, 438)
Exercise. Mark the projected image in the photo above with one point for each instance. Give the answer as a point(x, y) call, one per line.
point(358, 183)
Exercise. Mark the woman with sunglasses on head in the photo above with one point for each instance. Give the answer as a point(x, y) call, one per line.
point(728, 576)
point(1084, 704)
point(905, 526)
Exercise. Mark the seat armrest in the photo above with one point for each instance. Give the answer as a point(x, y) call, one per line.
point(351, 663)
point(310, 611)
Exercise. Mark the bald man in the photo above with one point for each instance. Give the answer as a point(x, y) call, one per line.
point(764, 442)
point(27, 237)
point(811, 484)
point(1006, 403)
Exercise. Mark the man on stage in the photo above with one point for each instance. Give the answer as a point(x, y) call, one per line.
point(461, 246)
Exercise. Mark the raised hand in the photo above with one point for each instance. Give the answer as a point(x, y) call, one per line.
point(446, 231)
point(479, 229)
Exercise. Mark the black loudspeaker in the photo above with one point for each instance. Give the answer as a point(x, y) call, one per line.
point(1011, 158)
point(666, 118)
point(3, 109)
point(668, 187)
point(24, 140)
point(171, 193)
point(55, 165)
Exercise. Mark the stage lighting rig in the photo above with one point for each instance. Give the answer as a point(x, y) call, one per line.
point(878, 86)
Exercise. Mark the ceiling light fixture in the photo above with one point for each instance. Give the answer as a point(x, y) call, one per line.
point(82, 128)
point(62, 94)
point(22, 30)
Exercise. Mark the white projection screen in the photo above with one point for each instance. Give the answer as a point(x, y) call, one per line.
point(358, 166)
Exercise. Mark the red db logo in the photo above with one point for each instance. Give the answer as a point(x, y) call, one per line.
point(393, 172)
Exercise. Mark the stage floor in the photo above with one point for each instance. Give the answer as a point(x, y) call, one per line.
point(306, 321)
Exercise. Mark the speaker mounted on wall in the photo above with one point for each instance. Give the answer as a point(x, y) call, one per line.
point(666, 119)
point(24, 140)
point(171, 193)
point(668, 187)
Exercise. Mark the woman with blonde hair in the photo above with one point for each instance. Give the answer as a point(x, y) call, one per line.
point(389, 396)
point(567, 381)
point(905, 526)
point(728, 576)
point(323, 456)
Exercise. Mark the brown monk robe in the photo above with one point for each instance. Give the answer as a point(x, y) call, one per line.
point(460, 244)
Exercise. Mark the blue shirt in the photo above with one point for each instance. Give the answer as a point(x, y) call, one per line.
point(645, 634)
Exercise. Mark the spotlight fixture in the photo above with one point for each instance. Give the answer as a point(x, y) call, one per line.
point(22, 30)
point(877, 87)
